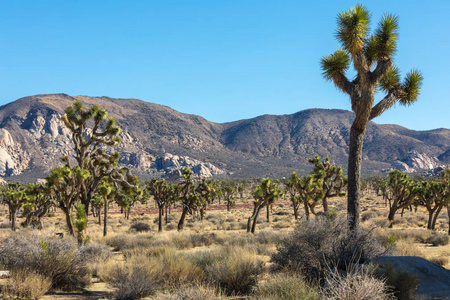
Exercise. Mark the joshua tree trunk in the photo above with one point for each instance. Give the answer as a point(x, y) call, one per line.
point(436, 215)
point(268, 214)
point(166, 214)
point(255, 219)
point(306, 206)
point(160, 210)
point(295, 212)
point(251, 218)
point(69, 222)
point(183, 216)
point(13, 220)
point(105, 220)
point(354, 175)
point(448, 212)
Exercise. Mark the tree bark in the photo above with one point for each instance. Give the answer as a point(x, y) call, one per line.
point(105, 220)
point(183, 216)
point(306, 206)
point(448, 212)
point(13, 219)
point(354, 176)
point(251, 218)
point(268, 214)
point(436, 215)
point(255, 219)
point(160, 209)
point(69, 222)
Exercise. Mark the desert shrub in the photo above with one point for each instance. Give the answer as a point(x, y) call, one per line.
point(367, 215)
point(174, 269)
point(402, 284)
point(140, 226)
point(315, 246)
point(171, 226)
point(133, 280)
point(25, 285)
point(438, 239)
point(195, 292)
point(417, 235)
point(441, 260)
point(355, 285)
point(58, 259)
point(285, 287)
point(269, 237)
point(216, 218)
point(236, 272)
point(406, 247)
point(123, 242)
point(5, 225)
point(95, 254)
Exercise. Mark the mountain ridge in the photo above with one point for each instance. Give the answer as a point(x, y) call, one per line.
point(266, 145)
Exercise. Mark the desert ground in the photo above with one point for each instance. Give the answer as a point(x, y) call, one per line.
point(220, 231)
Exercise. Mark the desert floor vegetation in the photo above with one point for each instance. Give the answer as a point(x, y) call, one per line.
point(213, 258)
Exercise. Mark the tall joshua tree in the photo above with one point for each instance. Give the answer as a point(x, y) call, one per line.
point(372, 58)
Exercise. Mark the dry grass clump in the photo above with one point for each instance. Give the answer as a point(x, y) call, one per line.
point(438, 239)
point(440, 260)
point(96, 254)
point(59, 259)
point(120, 242)
point(26, 285)
point(355, 285)
point(195, 292)
point(236, 271)
point(406, 247)
point(285, 287)
point(316, 245)
point(131, 280)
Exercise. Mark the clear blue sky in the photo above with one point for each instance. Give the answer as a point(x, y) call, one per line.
point(222, 59)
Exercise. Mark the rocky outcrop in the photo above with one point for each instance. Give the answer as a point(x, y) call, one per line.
point(434, 280)
point(415, 162)
point(12, 159)
point(173, 165)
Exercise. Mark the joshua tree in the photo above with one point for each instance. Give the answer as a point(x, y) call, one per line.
point(39, 199)
point(204, 191)
point(265, 194)
point(228, 195)
point(402, 188)
point(291, 189)
point(310, 192)
point(445, 176)
point(433, 196)
point(92, 149)
point(332, 178)
point(188, 197)
point(372, 57)
point(14, 196)
point(163, 194)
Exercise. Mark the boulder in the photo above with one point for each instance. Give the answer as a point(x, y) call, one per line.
point(434, 280)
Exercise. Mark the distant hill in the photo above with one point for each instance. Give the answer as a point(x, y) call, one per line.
point(158, 141)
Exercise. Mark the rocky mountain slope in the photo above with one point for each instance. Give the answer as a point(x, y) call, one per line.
point(159, 141)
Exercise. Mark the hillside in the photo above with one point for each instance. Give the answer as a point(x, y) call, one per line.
point(158, 141)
